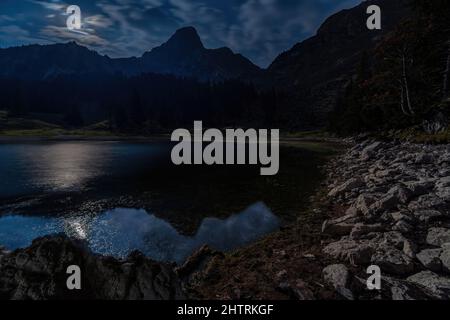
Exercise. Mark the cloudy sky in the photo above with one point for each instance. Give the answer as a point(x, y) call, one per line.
point(259, 29)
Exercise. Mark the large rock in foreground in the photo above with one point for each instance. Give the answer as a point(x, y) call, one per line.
point(39, 273)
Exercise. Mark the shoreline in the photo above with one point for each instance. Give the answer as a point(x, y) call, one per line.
point(326, 146)
point(63, 138)
point(382, 203)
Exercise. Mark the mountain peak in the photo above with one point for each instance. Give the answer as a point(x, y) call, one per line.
point(185, 39)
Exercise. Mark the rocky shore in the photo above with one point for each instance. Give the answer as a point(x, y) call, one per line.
point(39, 272)
point(384, 204)
point(394, 212)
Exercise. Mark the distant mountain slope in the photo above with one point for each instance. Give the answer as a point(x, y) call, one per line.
point(183, 55)
point(316, 69)
point(35, 62)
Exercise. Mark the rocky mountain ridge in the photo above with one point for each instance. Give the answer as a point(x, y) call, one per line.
point(318, 69)
point(183, 55)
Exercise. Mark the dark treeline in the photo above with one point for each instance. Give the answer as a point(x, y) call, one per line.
point(147, 103)
point(405, 82)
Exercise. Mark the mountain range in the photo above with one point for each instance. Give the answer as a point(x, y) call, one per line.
point(182, 55)
point(312, 73)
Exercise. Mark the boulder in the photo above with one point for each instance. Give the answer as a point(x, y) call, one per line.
point(403, 227)
point(445, 259)
point(368, 152)
point(340, 226)
point(419, 188)
point(443, 182)
point(402, 216)
point(39, 273)
point(354, 252)
point(424, 158)
point(346, 187)
point(401, 290)
point(439, 286)
point(444, 193)
point(197, 262)
point(438, 236)
point(444, 158)
point(426, 202)
point(362, 205)
point(3, 252)
point(403, 194)
point(361, 229)
point(338, 276)
point(410, 249)
point(393, 261)
point(430, 259)
point(392, 239)
point(388, 202)
point(428, 215)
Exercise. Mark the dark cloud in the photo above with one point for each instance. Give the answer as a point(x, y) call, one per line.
point(259, 29)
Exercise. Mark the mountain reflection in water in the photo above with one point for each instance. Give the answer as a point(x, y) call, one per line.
point(120, 231)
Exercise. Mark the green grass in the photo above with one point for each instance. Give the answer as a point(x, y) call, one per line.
point(19, 127)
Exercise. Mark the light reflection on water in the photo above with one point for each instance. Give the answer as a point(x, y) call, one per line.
point(120, 231)
point(67, 166)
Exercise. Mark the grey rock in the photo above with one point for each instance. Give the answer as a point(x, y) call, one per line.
point(197, 262)
point(439, 286)
point(354, 252)
point(362, 205)
point(410, 249)
point(438, 236)
point(428, 215)
point(361, 229)
point(403, 194)
point(428, 201)
point(388, 202)
point(401, 290)
point(424, 158)
point(347, 186)
point(370, 151)
point(445, 259)
point(419, 188)
point(393, 261)
point(443, 182)
point(338, 276)
point(3, 253)
point(444, 158)
point(402, 216)
point(403, 227)
point(392, 239)
point(444, 193)
point(339, 227)
point(105, 278)
point(430, 259)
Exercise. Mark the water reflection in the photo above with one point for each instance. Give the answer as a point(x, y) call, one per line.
point(120, 231)
point(68, 166)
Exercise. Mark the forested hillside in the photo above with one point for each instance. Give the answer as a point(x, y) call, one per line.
point(405, 81)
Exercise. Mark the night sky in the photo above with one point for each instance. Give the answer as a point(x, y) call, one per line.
point(259, 29)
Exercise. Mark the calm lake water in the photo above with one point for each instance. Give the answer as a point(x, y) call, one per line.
point(122, 196)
